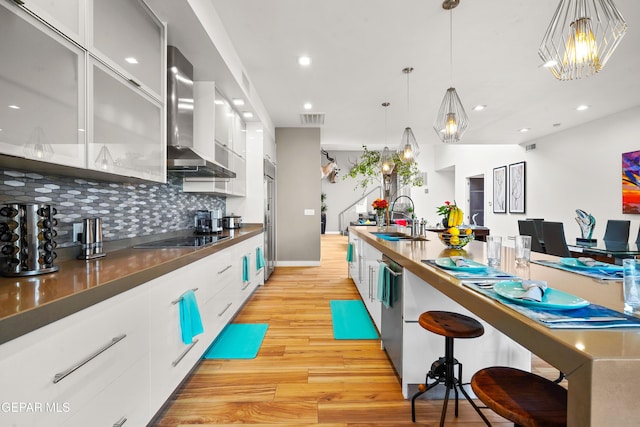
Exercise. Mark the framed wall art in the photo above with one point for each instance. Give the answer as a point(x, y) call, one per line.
point(631, 182)
point(517, 187)
point(500, 190)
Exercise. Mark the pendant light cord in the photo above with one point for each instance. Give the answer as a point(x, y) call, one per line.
point(451, 47)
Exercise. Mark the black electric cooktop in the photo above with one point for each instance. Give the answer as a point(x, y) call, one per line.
point(182, 242)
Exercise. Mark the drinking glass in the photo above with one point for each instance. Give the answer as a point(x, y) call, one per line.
point(523, 250)
point(494, 250)
point(631, 272)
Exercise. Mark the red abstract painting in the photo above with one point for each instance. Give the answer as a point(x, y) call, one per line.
point(631, 182)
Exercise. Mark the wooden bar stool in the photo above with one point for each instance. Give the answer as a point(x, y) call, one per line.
point(522, 397)
point(450, 325)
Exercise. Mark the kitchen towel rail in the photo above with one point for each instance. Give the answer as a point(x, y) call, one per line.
point(175, 301)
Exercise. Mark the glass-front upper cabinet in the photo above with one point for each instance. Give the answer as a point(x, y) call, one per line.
point(42, 91)
point(68, 16)
point(126, 127)
point(128, 37)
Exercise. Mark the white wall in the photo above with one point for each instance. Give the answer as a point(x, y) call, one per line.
point(579, 168)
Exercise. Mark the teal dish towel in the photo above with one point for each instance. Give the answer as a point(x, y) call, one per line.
point(190, 321)
point(245, 268)
point(350, 252)
point(259, 259)
point(386, 286)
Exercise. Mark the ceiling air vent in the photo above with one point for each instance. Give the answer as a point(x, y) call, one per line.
point(312, 118)
point(530, 147)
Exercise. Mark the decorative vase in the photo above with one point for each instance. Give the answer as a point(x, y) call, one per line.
point(445, 222)
point(380, 220)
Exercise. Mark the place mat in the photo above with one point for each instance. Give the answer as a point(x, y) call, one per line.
point(238, 341)
point(593, 273)
point(557, 316)
point(351, 321)
point(490, 273)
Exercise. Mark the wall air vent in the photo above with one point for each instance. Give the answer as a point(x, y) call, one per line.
point(312, 118)
point(530, 147)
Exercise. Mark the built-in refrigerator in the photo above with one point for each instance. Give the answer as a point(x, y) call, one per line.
point(269, 217)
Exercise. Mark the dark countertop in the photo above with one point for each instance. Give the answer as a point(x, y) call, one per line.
point(28, 303)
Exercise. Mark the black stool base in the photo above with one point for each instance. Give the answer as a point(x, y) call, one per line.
point(442, 372)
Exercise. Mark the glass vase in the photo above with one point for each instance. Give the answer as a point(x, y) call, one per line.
point(380, 220)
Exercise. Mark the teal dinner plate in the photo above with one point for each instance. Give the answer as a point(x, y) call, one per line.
point(575, 263)
point(450, 265)
point(553, 299)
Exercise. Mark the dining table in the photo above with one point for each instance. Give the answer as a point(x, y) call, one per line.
point(616, 251)
point(601, 361)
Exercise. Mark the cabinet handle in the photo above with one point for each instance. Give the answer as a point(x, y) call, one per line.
point(245, 286)
point(184, 353)
point(60, 376)
point(175, 301)
point(225, 309)
point(120, 422)
point(18, 2)
point(225, 269)
point(135, 83)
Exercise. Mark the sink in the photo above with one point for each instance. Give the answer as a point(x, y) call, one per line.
point(397, 236)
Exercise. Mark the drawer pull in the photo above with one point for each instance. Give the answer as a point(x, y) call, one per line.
point(225, 309)
point(184, 353)
point(175, 301)
point(60, 376)
point(120, 422)
point(225, 269)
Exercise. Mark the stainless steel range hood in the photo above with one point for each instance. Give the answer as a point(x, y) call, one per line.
point(181, 157)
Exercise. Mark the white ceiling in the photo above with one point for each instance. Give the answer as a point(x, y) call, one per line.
point(359, 48)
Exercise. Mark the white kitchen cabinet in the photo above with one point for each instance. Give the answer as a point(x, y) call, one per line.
point(357, 259)
point(238, 185)
point(223, 120)
point(68, 16)
point(126, 134)
point(65, 365)
point(123, 401)
point(129, 38)
point(370, 284)
point(42, 81)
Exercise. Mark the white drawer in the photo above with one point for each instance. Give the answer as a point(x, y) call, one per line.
point(92, 348)
point(127, 398)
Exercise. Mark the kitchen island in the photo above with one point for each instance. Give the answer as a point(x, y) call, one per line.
point(601, 365)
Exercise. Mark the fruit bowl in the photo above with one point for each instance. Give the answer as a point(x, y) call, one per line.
point(455, 241)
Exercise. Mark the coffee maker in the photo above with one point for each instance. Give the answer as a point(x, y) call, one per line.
point(208, 221)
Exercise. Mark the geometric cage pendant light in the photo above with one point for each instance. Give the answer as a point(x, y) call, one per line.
point(581, 38)
point(408, 149)
point(451, 121)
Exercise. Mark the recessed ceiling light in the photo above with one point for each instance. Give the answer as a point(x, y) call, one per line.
point(479, 107)
point(582, 107)
point(238, 101)
point(523, 130)
point(308, 106)
point(305, 61)
point(131, 60)
point(218, 102)
point(258, 130)
point(247, 114)
point(14, 107)
point(229, 114)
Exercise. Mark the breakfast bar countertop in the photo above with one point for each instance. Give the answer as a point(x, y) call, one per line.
point(601, 365)
point(28, 303)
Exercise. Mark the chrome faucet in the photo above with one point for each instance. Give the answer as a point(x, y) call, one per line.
point(414, 223)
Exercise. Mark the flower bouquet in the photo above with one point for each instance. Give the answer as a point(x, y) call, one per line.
point(380, 206)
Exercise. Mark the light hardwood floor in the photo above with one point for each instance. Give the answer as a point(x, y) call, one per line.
point(302, 376)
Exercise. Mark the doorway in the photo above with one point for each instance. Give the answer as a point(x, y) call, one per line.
point(476, 200)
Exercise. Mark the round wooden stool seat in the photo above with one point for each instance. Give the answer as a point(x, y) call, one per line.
point(449, 324)
point(522, 397)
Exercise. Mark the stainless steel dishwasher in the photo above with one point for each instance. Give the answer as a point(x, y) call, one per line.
point(392, 318)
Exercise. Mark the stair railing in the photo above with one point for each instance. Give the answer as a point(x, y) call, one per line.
point(341, 227)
